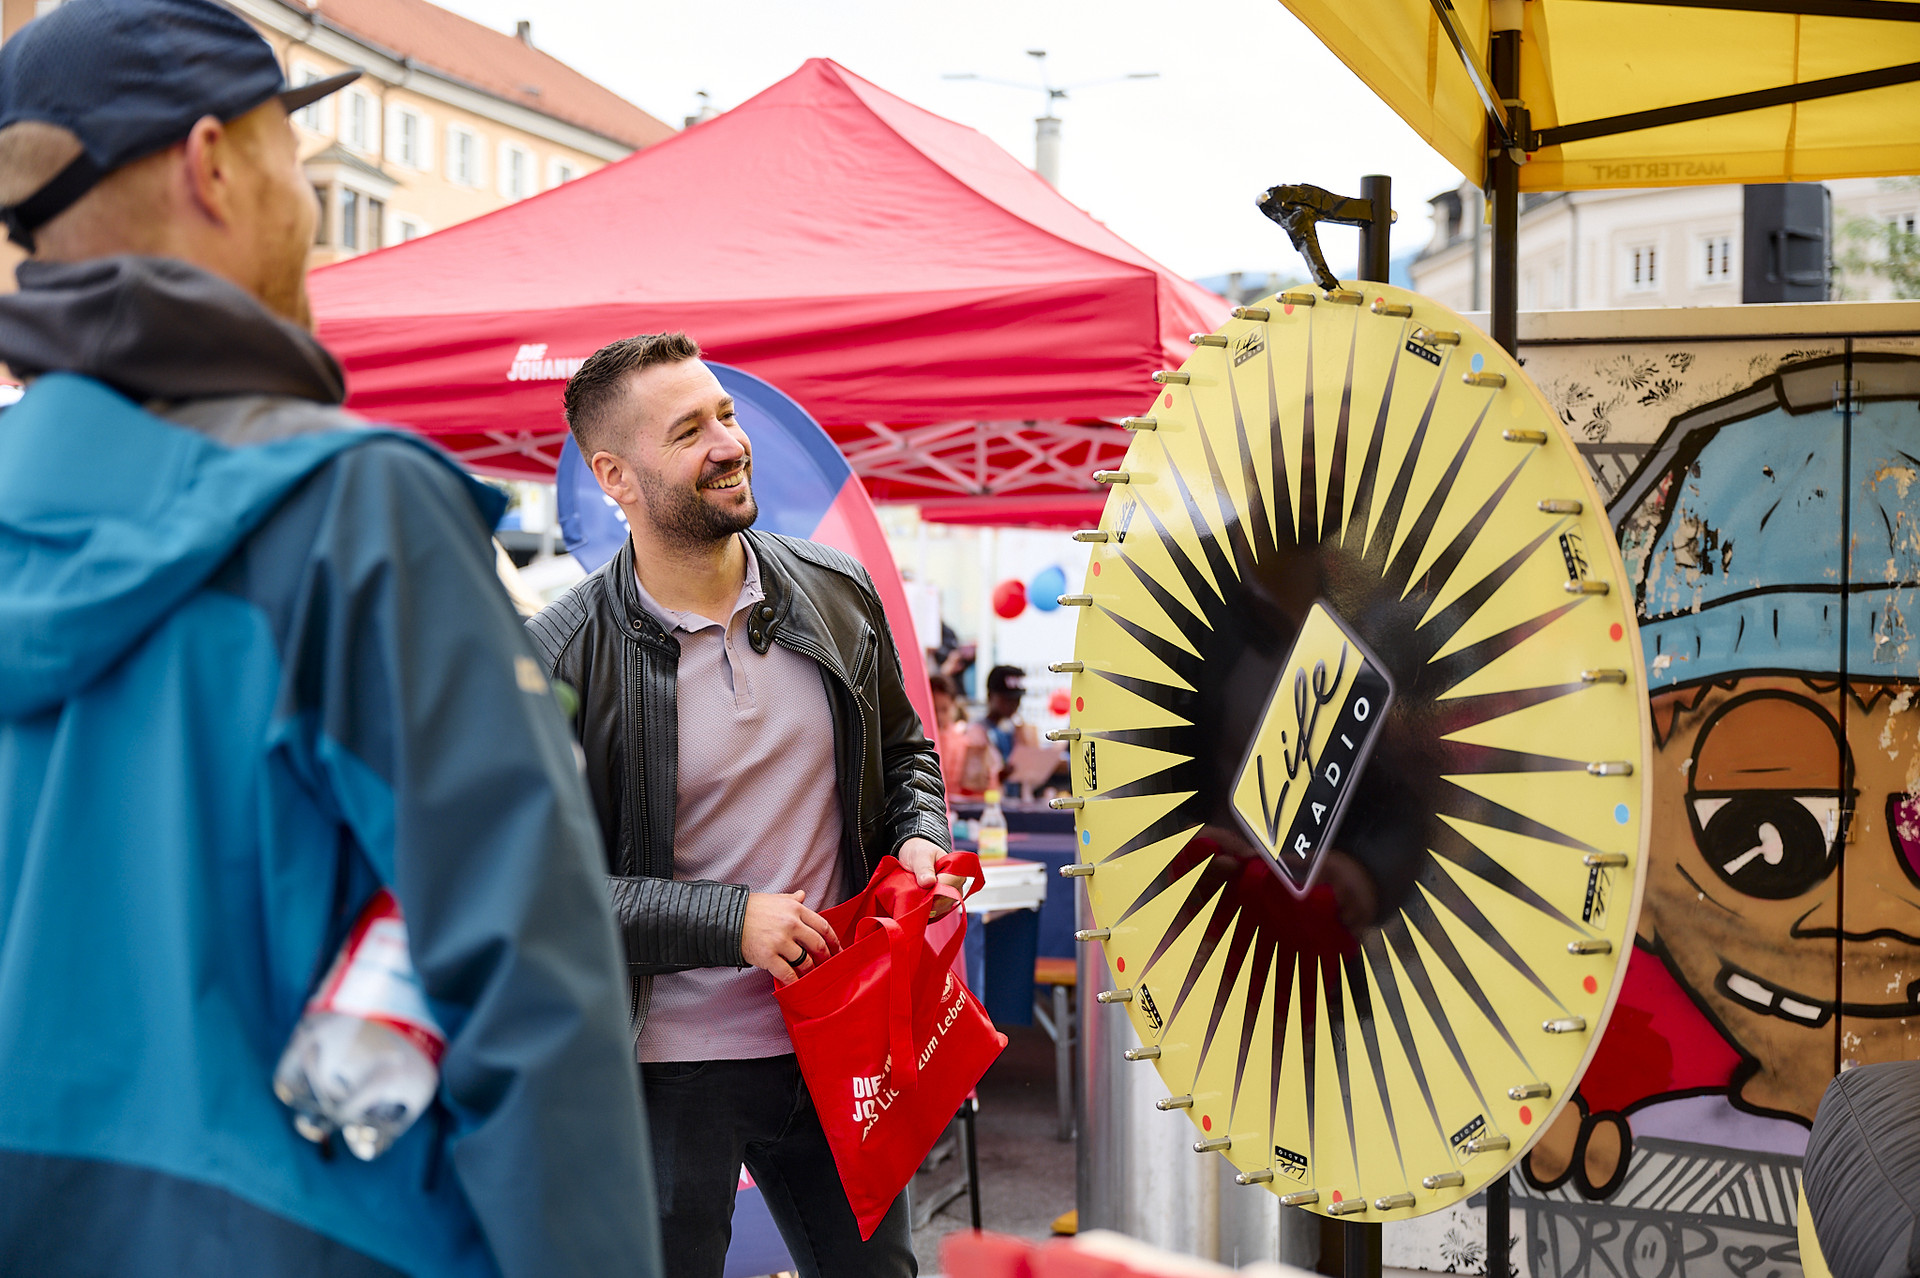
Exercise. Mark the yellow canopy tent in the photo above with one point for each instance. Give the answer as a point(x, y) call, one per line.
point(1622, 93)
point(1560, 95)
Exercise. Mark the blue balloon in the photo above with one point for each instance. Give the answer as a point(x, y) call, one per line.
point(1044, 591)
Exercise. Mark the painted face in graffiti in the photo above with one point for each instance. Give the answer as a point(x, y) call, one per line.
point(1786, 808)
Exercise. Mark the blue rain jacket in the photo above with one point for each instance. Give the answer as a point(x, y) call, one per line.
point(254, 663)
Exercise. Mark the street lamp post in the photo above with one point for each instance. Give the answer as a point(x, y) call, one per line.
point(1046, 128)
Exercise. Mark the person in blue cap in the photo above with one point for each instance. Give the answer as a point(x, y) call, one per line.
point(254, 666)
point(1778, 563)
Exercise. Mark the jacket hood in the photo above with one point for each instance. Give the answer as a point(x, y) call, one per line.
point(155, 328)
point(110, 517)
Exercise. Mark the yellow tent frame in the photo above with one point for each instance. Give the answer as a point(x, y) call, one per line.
point(1558, 95)
point(1632, 93)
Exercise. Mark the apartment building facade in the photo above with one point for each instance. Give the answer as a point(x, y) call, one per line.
point(1668, 246)
point(451, 119)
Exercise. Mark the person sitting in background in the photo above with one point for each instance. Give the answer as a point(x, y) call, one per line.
point(1006, 686)
point(952, 658)
point(969, 764)
point(944, 706)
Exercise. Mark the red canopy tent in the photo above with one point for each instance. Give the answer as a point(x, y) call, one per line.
point(958, 327)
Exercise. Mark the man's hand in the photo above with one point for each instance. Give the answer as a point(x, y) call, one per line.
point(919, 855)
point(783, 938)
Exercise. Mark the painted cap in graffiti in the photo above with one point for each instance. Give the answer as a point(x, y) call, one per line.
point(1734, 527)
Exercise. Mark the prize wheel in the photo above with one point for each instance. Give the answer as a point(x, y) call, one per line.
point(1360, 736)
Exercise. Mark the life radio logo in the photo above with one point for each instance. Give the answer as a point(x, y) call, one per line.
point(1289, 1164)
point(1459, 1139)
point(1149, 1010)
point(1599, 888)
point(1128, 503)
point(1319, 726)
point(1573, 552)
point(530, 364)
point(1251, 343)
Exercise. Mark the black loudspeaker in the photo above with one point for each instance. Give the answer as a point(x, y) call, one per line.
point(1786, 235)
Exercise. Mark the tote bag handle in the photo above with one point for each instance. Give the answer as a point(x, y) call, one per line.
point(906, 942)
point(906, 938)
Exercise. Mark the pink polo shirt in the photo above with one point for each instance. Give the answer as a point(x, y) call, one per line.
point(755, 804)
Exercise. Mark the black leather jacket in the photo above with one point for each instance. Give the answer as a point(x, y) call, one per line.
point(819, 602)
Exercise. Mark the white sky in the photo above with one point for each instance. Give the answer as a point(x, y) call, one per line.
point(1246, 98)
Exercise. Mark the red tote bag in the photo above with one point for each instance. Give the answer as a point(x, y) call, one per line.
point(889, 1039)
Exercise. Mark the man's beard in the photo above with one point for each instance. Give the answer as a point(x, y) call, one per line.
point(683, 515)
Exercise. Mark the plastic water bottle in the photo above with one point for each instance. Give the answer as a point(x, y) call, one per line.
point(365, 1058)
point(993, 829)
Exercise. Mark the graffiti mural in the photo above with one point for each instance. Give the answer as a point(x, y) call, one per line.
point(1771, 523)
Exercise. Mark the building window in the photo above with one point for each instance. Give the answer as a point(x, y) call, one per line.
point(359, 124)
point(1642, 268)
point(516, 172)
point(317, 116)
point(1900, 234)
point(362, 220)
point(408, 139)
point(463, 156)
point(1715, 256)
point(406, 228)
point(560, 172)
point(322, 196)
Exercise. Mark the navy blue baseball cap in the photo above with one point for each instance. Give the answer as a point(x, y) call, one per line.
point(96, 84)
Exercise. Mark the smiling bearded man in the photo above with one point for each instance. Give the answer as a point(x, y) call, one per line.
point(752, 754)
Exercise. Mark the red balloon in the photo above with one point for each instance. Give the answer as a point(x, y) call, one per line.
point(1009, 599)
point(1059, 702)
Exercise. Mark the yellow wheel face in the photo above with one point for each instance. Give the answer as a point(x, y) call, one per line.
point(1363, 751)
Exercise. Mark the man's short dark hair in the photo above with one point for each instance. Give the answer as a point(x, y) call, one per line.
point(594, 391)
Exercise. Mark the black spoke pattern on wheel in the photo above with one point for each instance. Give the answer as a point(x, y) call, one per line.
point(1386, 495)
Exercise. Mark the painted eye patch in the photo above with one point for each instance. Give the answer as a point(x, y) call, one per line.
point(1903, 828)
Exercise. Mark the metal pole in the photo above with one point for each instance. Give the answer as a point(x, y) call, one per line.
point(1505, 172)
point(1046, 148)
point(967, 1108)
point(1479, 216)
point(1506, 200)
point(1376, 255)
point(1361, 1243)
point(1499, 1246)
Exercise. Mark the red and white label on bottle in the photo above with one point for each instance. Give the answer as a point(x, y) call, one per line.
point(372, 977)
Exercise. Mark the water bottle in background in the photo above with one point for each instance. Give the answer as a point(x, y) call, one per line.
point(992, 835)
point(365, 1059)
